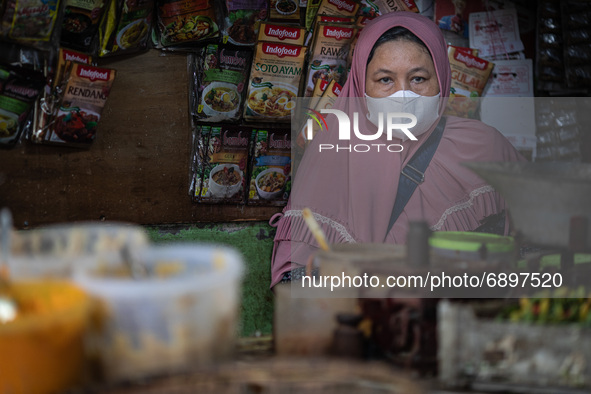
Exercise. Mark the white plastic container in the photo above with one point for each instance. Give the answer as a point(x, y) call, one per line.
point(155, 325)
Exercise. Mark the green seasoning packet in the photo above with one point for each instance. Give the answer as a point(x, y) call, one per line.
point(270, 179)
point(220, 84)
point(18, 91)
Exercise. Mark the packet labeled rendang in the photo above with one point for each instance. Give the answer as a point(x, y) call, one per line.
point(274, 81)
point(86, 91)
point(270, 179)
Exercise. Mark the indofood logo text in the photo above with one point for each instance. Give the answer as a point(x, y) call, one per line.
point(387, 123)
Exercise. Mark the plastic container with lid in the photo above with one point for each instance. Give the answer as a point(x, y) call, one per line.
point(182, 313)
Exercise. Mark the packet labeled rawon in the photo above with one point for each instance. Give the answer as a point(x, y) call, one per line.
point(86, 91)
point(274, 82)
point(270, 179)
point(220, 86)
point(330, 49)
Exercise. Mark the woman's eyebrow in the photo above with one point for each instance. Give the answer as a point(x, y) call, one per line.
point(383, 70)
point(417, 69)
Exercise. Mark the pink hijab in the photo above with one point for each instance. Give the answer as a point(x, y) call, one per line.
point(352, 195)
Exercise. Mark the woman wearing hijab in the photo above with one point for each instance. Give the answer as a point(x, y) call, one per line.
point(352, 195)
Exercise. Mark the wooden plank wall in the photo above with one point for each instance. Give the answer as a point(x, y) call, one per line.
point(137, 169)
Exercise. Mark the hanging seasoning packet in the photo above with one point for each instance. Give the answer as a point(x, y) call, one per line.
point(243, 19)
point(223, 174)
point(270, 178)
point(330, 48)
point(80, 23)
point(19, 88)
point(86, 91)
point(469, 75)
point(287, 11)
point(126, 27)
point(31, 22)
point(274, 82)
point(220, 86)
point(387, 6)
point(338, 8)
point(182, 21)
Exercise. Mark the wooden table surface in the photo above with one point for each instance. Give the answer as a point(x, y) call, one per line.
point(137, 169)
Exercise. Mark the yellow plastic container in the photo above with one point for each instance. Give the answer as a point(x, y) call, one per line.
point(42, 349)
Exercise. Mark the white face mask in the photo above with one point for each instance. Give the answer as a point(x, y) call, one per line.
point(425, 108)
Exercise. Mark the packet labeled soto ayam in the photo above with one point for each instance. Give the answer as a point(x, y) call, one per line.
point(469, 75)
point(330, 49)
point(287, 11)
point(274, 82)
point(221, 177)
point(241, 24)
point(80, 23)
point(220, 85)
point(126, 27)
point(187, 21)
point(286, 34)
point(19, 88)
point(270, 179)
point(85, 94)
point(31, 22)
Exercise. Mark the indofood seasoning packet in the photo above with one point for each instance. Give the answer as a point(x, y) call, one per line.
point(273, 32)
point(469, 75)
point(270, 179)
point(223, 174)
point(221, 75)
point(284, 11)
point(86, 92)
point(338, 8)
point(274, 81)
point(330, 49)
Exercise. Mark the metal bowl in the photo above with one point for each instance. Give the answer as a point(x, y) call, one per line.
point(542, 197)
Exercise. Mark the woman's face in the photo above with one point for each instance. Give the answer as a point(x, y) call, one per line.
point(400, 65)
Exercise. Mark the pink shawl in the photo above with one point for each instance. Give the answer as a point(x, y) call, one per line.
point(352, 195)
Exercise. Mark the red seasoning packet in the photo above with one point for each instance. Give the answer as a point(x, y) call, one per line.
point(86, 91)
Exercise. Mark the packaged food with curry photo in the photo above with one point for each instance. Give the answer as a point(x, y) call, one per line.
point(270, 179)
point(241, 24)
point(126, 27)
point(76, 121)
point(330, 48)
point(220, 84)
point(187, 21)
point(469, 75)
point(274, 83)
point(223, 173)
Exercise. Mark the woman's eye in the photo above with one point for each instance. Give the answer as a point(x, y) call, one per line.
point(418, 79)
point(385, 80)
